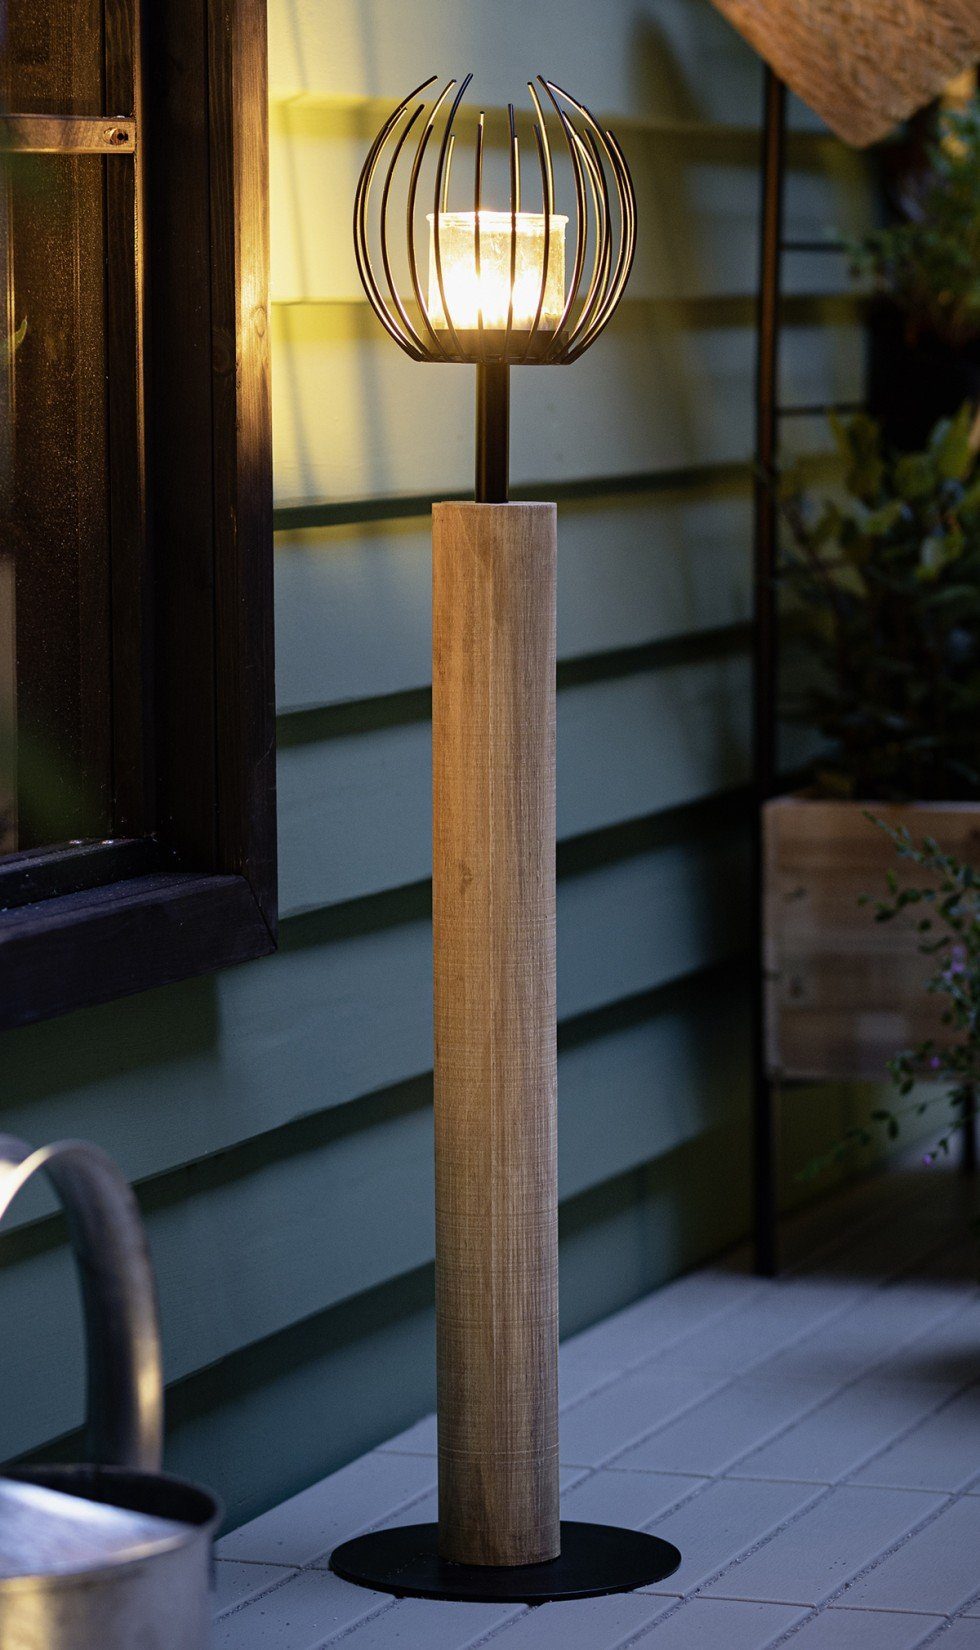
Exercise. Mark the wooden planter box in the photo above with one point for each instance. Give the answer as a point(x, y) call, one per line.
point(844, 993)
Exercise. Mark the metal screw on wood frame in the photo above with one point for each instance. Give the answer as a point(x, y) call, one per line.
point(499, 1536)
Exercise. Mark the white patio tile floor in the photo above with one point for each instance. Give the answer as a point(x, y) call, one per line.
point(811, 1443)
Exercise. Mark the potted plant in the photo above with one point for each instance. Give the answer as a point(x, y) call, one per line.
point(884, 595)
point(924, 359)
point(942, 908)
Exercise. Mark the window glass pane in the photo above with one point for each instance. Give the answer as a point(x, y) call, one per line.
point(51, 57)
point(54, 587)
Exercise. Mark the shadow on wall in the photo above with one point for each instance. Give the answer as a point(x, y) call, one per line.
point(105, 1050)
point(113, 1040)
point(361, 1371)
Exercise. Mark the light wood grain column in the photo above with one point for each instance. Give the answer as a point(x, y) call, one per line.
point(495, 1061)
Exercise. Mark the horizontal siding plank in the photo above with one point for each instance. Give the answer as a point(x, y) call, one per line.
point(594, 490)
point(662, 60)
point(353, 607)
point(277, 1115)
point(323, 1023)
point(818, 459)
point(245, 1255)
point(674, 57)
point(352, 415)
point(319, 1395)
point(619, 1104)
point(697, 203)
point(355, 812)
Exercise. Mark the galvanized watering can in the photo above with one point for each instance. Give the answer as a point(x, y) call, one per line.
point(113, 1556)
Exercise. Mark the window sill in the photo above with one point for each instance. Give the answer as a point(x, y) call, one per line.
point(77, 949)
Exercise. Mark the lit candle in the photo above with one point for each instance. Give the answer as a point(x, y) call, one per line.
point(479, 289)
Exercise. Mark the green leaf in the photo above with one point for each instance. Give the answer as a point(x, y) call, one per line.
point(9, 348)
point(881, 521)
point(933, 556)
point(915, 476)
point(950, 445)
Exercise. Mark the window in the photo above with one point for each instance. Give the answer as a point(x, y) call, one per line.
point(137, 805)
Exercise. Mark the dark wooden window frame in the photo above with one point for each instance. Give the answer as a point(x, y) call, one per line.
point(197, 890)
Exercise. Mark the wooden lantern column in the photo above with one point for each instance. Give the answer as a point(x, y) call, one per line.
point(493, 720)
point(493, 715)
point(493, 723)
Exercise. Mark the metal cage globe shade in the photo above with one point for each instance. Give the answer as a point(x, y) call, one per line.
point(496, 279)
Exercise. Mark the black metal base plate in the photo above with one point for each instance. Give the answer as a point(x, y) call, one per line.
point(595, 1559)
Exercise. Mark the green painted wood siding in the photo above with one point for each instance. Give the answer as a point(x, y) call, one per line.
point(276, 1118)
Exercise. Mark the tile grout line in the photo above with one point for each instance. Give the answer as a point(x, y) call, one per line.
point(786, 1634)
point(383, 1609)
point(665, 1512)
point(604, 1382)
point(951, 1615)
point(688, 1596)
point(608, 1462)
point(886, 1552)
point(634, 1365)
point(315, 1563)
point(952, 1499)
point(881, 1285)
point(856, 1466)
point(410, 1454)
point(764, 1286)
point(753, 1368)
point(821, 1492)
point(900, 1437)
point(501, 1627)
point(929, 1253)
point(706, 1480)
point(255, 1598)
point(935, 1637)
point(677, 1415)
point(725, 1379)
point(259, 1563)
point(377, 1523)
point(771, 1287)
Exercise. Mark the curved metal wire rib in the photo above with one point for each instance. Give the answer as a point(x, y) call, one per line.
point(602, 211)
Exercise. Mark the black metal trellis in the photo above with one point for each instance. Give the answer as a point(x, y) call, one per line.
point(770, 412)
point(765, 648)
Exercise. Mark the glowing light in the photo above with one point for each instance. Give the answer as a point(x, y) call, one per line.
point(482, 291)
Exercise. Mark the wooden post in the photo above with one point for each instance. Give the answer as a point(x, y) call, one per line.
point(493, 719)
point(495, 1059)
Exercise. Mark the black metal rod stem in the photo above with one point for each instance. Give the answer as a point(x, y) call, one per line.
point(492, 432)
point(765, 650)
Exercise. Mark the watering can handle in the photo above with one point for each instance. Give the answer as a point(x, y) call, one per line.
point(125, 1379)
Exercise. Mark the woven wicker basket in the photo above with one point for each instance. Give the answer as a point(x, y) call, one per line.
point(863, 65)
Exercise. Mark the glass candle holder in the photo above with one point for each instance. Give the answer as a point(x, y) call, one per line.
point(477, 280)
